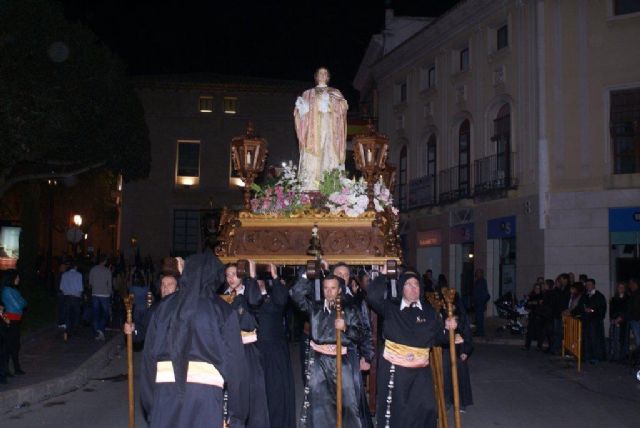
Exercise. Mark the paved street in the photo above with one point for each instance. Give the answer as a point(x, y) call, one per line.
point(512, 388)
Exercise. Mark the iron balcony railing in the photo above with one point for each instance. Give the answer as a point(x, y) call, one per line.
point(454, 184)
point(422, 192)
point(495, 173)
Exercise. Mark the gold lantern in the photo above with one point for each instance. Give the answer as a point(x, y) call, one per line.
point(248, 153)
point(370, 153)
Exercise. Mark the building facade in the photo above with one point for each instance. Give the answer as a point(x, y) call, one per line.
point(515, 126)
point(191, 121)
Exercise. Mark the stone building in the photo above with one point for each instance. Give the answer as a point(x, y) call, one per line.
point(192, 119)
point(515, 126)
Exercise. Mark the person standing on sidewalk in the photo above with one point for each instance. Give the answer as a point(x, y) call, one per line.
point(632, 315)
point(4, 328)
point(14, 305)
point(71, 287)
point(480, 299)
point(101, 283)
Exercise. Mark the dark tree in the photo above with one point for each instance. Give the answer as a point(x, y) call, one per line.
point(66, 103)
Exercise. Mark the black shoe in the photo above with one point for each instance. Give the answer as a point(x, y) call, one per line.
point(525, 348)
point(3, 380)
point(19, 372)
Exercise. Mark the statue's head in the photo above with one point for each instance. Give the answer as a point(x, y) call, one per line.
point(322, 76)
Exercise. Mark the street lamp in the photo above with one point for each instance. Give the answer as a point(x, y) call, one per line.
point(370, 153)
point(248, 153)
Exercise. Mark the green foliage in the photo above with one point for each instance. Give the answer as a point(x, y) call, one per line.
point(331, 182)
point(65, 97)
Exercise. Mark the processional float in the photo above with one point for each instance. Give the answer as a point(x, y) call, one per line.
point(368, 238)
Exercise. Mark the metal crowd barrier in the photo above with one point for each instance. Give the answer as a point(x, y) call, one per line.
point(572, 337)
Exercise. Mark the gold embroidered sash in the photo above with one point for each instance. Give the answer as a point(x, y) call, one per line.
point(327, 348)
point(405, 356)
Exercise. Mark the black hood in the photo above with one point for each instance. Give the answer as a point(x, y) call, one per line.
point(200, 278)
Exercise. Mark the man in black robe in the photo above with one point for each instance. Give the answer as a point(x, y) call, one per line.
point(242, 294)
point(411, 327)
point(592, 309)
point(274, 352)
point(360, 353)
point(464, 348)
point(193, 348)
point(321, 412)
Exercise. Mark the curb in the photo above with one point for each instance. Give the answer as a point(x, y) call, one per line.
point(499, 341)
point(28, 395)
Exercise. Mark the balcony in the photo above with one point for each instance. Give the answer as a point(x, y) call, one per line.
point(492, 177)
point(422, 192)
point(495, 173)
point(454, 184)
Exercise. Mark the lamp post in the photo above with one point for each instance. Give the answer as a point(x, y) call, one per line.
point(51, 184)
point(75, 234)
point(248, 153)
point(370, 153)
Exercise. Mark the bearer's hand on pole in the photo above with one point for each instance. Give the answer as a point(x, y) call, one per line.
point(252, 268)
point(451, 324)
point(129, 328)
point(274, 271)
point(340, 325)
point(180, 263)
point(383, 269)
point(364, 365)
point(324, 264)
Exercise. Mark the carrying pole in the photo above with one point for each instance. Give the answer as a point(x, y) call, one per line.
point(449, 297)
point(338, 366)
point(128, 303)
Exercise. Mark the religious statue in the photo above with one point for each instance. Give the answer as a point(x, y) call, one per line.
point(321, 125)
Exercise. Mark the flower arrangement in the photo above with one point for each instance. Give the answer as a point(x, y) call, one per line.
point(350, 195)
point(337, 193)
point(282, 197)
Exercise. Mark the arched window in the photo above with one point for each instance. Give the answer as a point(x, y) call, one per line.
point(402, 179)
point(432, 148)
point(502, 138)
point(464, 158)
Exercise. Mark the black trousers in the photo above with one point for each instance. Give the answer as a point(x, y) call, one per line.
point(72, 309)
point(4, 357)
point(13, 344)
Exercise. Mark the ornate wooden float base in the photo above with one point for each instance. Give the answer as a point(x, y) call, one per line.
point(369, 239)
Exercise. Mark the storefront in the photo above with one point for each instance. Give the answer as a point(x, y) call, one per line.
point(9, 245)
point(429, 252)
point(461, 258)
point(501, 253)
point(624, 234)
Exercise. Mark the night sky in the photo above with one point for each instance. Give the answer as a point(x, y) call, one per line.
point(277, 39)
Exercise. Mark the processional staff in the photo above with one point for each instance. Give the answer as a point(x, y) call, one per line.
point(436, 368)
point(449, 297)
point(338, 365)
point(128, 303)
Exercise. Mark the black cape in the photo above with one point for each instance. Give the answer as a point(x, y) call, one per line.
point(193, 325)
